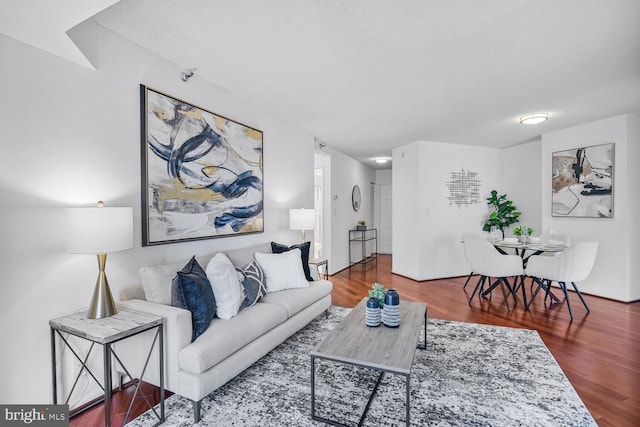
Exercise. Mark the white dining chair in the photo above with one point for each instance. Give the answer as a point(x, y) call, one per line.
point(485, 260)
point(470, 236)
point(572, 265)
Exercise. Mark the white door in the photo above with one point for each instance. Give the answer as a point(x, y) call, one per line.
point(384, 211)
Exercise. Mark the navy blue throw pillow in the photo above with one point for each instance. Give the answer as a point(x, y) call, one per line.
point(254, 284)
point(278, 248)
point(192, 291)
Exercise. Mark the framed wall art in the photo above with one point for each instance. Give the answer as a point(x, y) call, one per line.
point(582, 182)
point(202, 173)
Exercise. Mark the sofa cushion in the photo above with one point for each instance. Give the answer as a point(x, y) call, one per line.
point(226, 286)
point(156, 280)
point(225, 337)
point(253, 282)
point(283, 271)
point(305, 247)
point(296, 300)
point(243, 256)
point(192, 291)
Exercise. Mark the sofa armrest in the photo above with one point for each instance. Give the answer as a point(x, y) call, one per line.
point(177, 335)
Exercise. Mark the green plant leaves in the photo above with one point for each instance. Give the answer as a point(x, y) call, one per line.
point(504, 212)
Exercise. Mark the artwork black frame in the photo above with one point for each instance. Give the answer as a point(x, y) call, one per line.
point(582, 182)
point(201, 173)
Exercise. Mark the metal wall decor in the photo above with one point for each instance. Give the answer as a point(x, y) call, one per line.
point(464, 188)
point(201, 173)
point(582, 182)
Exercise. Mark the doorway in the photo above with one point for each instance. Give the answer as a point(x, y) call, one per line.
point(385, 218)
point(322, 206)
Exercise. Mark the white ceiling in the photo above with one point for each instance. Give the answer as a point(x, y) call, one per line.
point(365, 76)
point(44, 23)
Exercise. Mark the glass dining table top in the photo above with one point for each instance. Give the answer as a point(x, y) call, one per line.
point(542, 246)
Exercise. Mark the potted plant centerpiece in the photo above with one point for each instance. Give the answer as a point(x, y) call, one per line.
point(361, 226)
point(378, 292)
point(523, 233)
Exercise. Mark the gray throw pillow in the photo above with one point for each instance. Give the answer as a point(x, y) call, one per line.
point(191, 290)
point(254, 283)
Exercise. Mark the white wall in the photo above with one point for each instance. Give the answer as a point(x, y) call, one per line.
point(520, 180)
point(71, 136)
point(611, 273)
point(345, 173)
point(633, 249)
point(426, 228)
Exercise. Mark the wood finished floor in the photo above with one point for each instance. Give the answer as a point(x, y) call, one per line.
point(598, 352)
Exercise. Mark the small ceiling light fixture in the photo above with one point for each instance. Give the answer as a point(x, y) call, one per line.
point(381, 160)
point(534, 119)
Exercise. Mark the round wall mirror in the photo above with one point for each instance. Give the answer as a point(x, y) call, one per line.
point(355, 198)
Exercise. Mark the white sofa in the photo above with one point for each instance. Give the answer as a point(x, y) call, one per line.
point(227, 347)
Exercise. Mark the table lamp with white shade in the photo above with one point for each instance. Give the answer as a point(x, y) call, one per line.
point(99, 230)
point(302, 219)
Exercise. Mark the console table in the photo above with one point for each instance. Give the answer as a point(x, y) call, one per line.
point(364, 239)
point(106, 332)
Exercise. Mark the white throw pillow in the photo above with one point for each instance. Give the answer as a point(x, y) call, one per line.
point(226, 286)
point(283, 271)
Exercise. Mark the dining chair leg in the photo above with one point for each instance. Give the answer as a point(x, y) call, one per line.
point(506, 299)
point(467, 282)
point(479, 286)
point(563, 285)
point(547, 288)
point(512, 289)
point(581, 297)
point(524, 295)
point(535, 293)
point(491, 287)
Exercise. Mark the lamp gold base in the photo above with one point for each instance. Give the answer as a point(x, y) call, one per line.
point(102, 304)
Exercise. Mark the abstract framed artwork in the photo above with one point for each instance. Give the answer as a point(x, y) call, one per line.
point(582, 182)
point(202, 173)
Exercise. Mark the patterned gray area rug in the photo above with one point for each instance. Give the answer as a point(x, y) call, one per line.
point(470, 374)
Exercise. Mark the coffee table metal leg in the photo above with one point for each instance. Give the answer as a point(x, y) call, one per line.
point(313, 387)
point(408, 398)
point(373, 393)
point(424, 347)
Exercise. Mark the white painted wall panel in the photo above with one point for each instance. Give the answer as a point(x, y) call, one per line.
point(427, 227)
point(72, 136)
point(609, 277)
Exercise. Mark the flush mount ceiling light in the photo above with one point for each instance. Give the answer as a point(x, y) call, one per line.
point(534, 119)
point(381, 160)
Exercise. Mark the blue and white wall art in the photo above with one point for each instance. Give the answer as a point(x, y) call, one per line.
point(202, 173)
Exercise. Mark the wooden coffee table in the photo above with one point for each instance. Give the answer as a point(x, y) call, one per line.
point(382, 349)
